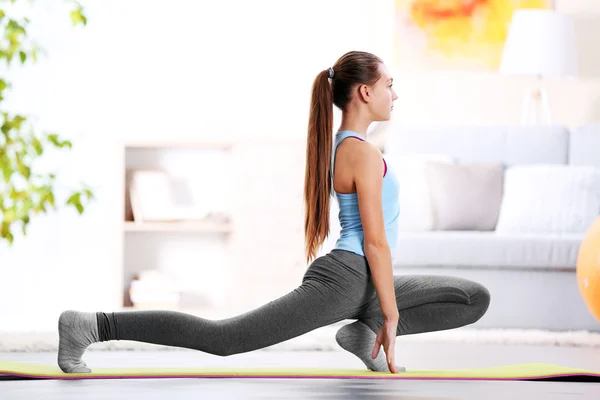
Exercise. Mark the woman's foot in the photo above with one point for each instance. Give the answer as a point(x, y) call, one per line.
point(76, 331)
point(358, 339)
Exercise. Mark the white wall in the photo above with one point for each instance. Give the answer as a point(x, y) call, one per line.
point(190, 69)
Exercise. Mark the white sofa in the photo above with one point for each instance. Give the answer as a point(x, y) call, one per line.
point(530, 270)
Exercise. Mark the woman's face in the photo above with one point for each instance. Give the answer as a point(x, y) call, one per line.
point(382, 96)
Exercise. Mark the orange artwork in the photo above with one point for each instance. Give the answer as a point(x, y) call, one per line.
point(454, 34)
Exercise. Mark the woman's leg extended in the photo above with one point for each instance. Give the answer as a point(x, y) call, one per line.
point(335, 287)
point(428, 303)
point(309, 306)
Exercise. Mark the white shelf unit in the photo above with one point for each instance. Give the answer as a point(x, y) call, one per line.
point(180, 247)
point(175, 144)
point(178, 226)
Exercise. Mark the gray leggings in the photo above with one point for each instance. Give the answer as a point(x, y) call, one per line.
point(335, 287)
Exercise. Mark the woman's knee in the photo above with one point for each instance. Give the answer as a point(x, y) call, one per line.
point(479, 300)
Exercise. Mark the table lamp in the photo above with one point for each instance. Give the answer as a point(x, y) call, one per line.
point(539, 43)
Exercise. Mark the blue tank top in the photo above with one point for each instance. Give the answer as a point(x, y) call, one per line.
point(351, 234)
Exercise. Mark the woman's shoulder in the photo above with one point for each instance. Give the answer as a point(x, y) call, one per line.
point(360, 147)
point(363, 157)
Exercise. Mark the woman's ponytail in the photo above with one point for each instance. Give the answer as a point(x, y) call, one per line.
point(317, 180)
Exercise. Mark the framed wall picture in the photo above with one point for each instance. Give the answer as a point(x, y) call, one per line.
point(466, 35)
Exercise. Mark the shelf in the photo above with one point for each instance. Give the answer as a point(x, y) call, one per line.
point(184, 226)
point(158, 144)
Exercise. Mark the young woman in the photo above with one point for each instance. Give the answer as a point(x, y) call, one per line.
point(354, 281)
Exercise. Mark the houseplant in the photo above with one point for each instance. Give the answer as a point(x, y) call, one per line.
point(24, 191)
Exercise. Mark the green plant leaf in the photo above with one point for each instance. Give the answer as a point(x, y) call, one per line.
point(77, 17)
point(6, 233)
point(37, 146)
point(7, 171)
point(75, 200)
point(53, 138)
point(24, 170)
point(15, 29)
point(17, 121)
point(23, 56)
point(51, 200)
point(34, 54)
point(5, 128)
point(9, 215)
point(3, 87)
point(56, 141)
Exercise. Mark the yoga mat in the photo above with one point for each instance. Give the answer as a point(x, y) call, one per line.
point(517, 372)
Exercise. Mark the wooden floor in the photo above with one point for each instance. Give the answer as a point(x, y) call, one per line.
point(415, 356)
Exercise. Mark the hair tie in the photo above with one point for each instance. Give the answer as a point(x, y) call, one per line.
point(330, 72)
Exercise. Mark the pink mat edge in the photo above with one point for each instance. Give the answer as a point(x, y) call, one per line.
point(223, 376)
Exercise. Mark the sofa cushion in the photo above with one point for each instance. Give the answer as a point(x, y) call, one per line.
point(465, 196)
point(549, 199)
point(487, 249)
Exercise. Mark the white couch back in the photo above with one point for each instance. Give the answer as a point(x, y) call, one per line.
point(509, 145)
point(584, 145)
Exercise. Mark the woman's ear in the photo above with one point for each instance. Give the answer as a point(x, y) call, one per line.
point(364, 93)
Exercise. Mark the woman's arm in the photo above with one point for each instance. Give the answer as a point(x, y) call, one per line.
point(368, 169)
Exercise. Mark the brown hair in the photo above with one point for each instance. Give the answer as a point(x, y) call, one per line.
point(352, 69)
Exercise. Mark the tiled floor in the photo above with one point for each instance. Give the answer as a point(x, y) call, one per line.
point(415, 356)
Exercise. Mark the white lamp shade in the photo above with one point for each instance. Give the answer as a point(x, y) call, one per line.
point(541, 43)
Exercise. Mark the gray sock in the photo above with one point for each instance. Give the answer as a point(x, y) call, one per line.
point(76, 331)
point(359, 339)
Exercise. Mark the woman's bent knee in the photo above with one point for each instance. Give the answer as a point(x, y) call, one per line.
point(479, 301)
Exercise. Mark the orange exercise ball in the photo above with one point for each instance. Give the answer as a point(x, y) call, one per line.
point(588, 269)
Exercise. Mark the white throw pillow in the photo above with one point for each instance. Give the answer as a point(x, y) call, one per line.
point(416, 207)
point(465, 197)
point(549, 199)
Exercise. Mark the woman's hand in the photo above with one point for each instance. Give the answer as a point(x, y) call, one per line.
point(387, 337)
